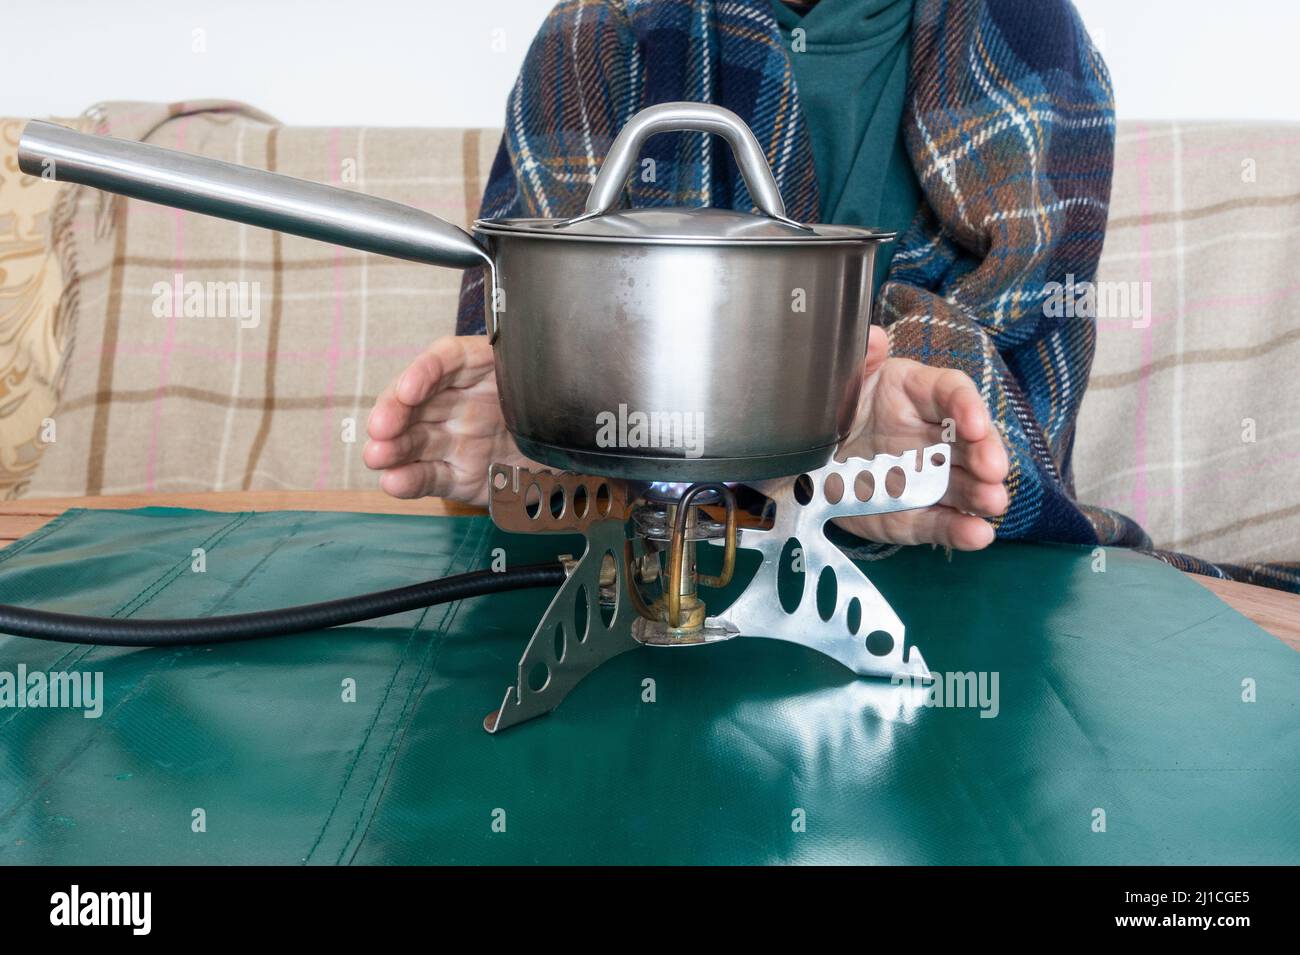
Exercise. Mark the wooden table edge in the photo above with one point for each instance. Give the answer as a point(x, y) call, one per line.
point(1273, 610)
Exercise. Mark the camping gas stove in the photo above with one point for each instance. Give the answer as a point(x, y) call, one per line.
point(637, 583)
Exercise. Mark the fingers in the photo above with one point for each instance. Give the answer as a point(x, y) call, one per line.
point(389, 417)
point(421, 442)
point(967, 493)
point(419, 479)
point(452, 362)
point(939, 525)
point(392, 453)
point(429, 430)
point(877, 350)
point(949, 528)
point(986, 460)
point(877, 354)
point(942, 394)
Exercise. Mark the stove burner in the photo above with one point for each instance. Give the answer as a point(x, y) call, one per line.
point(665, 492)
point(678, 615)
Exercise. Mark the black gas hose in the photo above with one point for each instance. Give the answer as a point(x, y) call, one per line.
point(115, 632)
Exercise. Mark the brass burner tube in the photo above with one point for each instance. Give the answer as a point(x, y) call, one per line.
point(684, 581)
point(681, 573)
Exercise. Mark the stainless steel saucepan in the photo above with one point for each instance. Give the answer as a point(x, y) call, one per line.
point(658, 344)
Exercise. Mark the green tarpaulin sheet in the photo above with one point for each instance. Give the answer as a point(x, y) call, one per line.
point(1135, 718)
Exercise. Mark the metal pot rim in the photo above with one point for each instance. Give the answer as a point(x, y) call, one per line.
point(552, 229)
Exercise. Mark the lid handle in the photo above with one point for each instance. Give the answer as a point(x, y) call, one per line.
point(671, 117)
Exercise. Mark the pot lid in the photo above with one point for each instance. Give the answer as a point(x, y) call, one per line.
point(681, 226)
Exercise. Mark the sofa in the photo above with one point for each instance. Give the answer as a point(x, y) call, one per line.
point(144, 349)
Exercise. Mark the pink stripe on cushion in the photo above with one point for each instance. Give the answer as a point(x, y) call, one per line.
point(169, 340)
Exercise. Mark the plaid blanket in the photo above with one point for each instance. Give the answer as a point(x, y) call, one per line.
point(1010, 123)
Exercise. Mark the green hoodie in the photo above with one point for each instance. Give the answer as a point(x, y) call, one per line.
point(850, 60)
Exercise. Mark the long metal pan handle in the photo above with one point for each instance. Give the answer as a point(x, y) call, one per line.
point(242, 194)
point(670, 117)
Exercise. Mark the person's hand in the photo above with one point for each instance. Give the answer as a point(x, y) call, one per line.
point(904, 405)
point(439, 426)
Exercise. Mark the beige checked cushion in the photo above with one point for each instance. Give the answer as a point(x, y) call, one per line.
point(1190, 421)
point(163, 396)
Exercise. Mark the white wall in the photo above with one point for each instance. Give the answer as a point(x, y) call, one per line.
point(451, 62)
point(325, 62)
point(1200, 59)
